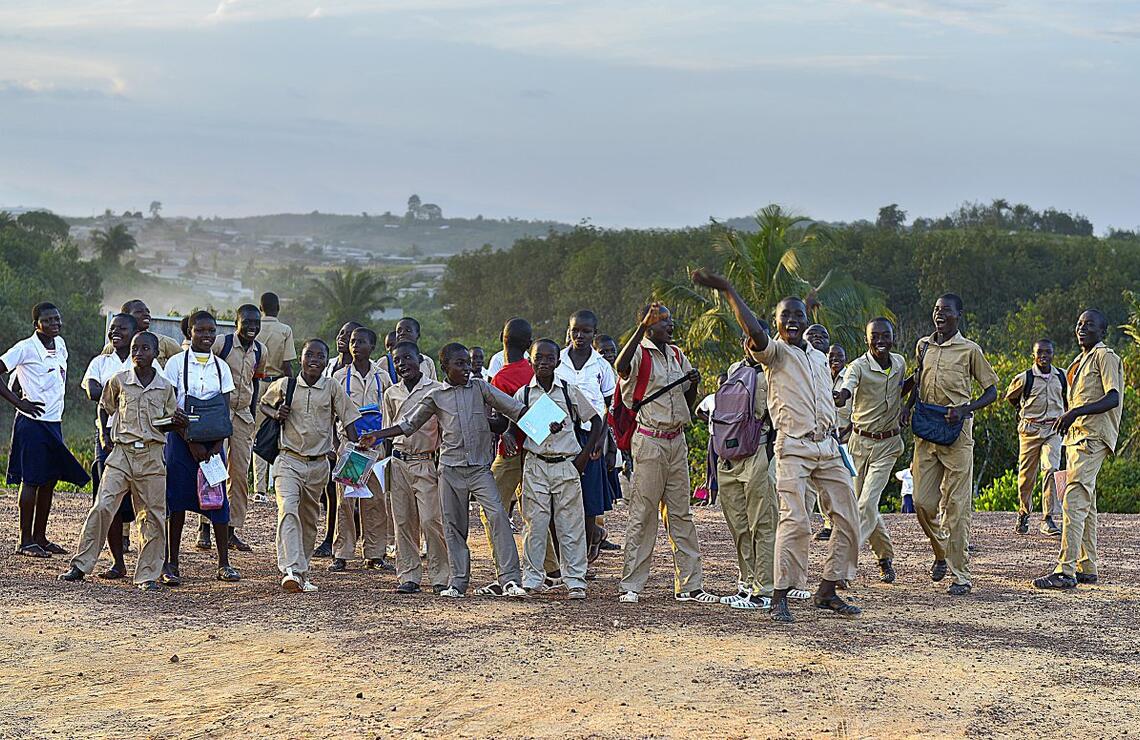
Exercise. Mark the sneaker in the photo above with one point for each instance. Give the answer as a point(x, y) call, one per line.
point(451, 592)
point(1022, 524)
point(308, 587)
point(439, 588)
point(577, 594)
point(1058, 581)
point(823, 535)
point(959, 589)
point(339, 565)
point(1087, 579)
point(513, 589)
point(377, 564)
point(607, 545)
point(887, 570)
point(1049, 527)
point(149, 586)
point(292, 583)
point(408, 587)
point(629, 597)
point(73, 574)
point(260, 498)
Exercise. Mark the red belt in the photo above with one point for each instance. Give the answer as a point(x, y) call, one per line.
point(656, 434)
point(878, 436)
point(1045, 422)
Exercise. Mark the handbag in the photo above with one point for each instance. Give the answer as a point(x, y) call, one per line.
point(928, 420)
point(213, 414)
point(267, 443)
point(210, 498)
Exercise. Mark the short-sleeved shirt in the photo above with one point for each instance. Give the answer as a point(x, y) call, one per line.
point(167, 348)
point(244, 368)
point(387, 365)
point(1091, 376)
point(1046, 401)
point(279, 346)
point(315, 409)
point(799, 389)
point(101, 369)
point(596, 380)
point(708, 404)
point(876, 392)
point(948, 368)
point(134, 407)
point(843, 413)
point(563, 443)
point(465, 433)
point(363, 390)
point(207, 377)
point(42, 373)
point(495, 364)
point(399, 402)
point(671, 410)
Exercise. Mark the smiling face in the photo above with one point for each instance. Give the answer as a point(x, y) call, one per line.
point(144, 350)
point(582, 333)
point(791, 320)
point(662, 329)
point(406, 331)
point(817, 336)
point(946, 317)
point(120, 332)
point(50, 322)
point(1043, 356)
point(880, 339)
point(314, 358)
point(361, 346)
point(142, 315)
point(544, 358)
point(609, 351)
point(249, 325)
point(1090, 330)
point(407, 362)
point(458, 368)
point(344, 335)
point(202, 335)
point(836, 359)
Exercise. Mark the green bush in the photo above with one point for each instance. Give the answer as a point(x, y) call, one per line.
point(1118, 487)
point(1000, 495)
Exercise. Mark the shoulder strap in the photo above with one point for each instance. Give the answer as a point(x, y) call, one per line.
point(256, 353)
point(643, 372)
point(1064, 387)
point(918, 370)
point(570, 408)
point(290, 387)
point(526, 396)
point(227, 346)
point(1026, 387)
point(186, 372)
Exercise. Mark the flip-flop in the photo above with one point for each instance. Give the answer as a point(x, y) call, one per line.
point(32, 551)
point(53, 548)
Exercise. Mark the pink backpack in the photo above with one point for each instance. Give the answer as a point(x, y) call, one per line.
point(736, 432)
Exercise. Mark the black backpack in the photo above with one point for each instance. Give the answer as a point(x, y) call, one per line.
point(267, 443)
point(1028, 386)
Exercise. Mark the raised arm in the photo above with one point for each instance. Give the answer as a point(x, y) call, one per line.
point(744, 316)
point(624, 362)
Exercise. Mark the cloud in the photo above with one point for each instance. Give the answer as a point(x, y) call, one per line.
point(35, 73)
point(317, 13)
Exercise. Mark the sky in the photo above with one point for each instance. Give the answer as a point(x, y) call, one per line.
point(623, 112)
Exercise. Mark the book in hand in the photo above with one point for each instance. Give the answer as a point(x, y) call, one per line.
point(535, 423)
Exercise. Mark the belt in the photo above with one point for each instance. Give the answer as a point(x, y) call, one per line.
point(412, 456)
point(306, 458)
point(813, 437)
point(877, 436)
point(553, 460)
point(658, 434)
point(1046, 422)
point(141, 445)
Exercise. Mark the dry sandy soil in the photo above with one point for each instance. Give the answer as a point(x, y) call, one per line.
point(101, 659)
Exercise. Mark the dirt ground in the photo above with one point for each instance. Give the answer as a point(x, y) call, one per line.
point(101, 659)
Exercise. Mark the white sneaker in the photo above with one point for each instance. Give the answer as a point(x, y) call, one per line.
point(308, 587)
point(513, 589)
point(451, 592)
point(629, 597)
point(292, 582)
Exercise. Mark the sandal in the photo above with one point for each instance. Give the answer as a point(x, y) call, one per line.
point(699, 596)
point(32, 551)
point(112, 574)
point(838, 605)
point(799, 594)
point(781, 613)
point(229, 574)
point(491, 589)
point(53, 548)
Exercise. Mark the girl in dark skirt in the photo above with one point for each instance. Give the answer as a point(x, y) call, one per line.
point(39, 458)
point(199, 373)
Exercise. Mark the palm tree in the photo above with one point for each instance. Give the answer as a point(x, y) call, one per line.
point(113, 243)
point(350, 295)
point(6, 220)
point(766, 266)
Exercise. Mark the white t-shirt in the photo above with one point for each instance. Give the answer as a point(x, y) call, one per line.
point(101, 369)
point(203, 378)
point(708, 404)
point(497, 361)
point(42, 373)
point(596, 379)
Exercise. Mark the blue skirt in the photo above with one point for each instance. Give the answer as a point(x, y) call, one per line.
point(182, 482)
point(597, 496)
point(39, 456)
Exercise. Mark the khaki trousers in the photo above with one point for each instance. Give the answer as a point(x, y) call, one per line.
point(508, 472)
point(375, 523)
point(943, 482)
point(874, 461)
point(813, 506)
point(1078, 536)
point(660, 488)
point(456, 485)
point(262, 470)
point(800, 463)
point(1038, 452)
point(553, 490)
point(298, 485)
point(748, 499)
point(415, 511)
point(238, 454)
point(142, 474)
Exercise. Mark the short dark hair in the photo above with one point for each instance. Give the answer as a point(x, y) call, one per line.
point(129, 305)
point(316, 340)
point(793, 299)
point(148, 337)
point(199, 316)
point(451, 349)
point(407, 345)
point(1100, 315)
point(364, 330)
point(131, 319)
point(882, 320)
point(270, 303)
point(585, 315)
point(390, 335)
point(954, 299)
point(247, 308)
point(415, 324)
point(477, 347)
point(604, 338)
point(39, 308)
point(518, 333)
point(184, 325)
point(544, 340)
point(1045, 340)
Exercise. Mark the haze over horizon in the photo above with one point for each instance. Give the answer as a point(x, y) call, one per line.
point(628, 114)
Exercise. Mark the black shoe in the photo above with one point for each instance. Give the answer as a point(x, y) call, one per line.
point(170, 577)
point(1049, 527)
point(204, 538)
point(324, 550)
point(339, 565)
point(823, 535)
point(607, 545)
point(408, 587)
point(1022, 524)
point(1057, 581)
point(73, 574)
point(236, 542)
point(886, 570)
point(439, 588)
point(959, 589)
point(1087, 579)
point(149, 586)
point(836, 604)
point(938, 570)
point(378, 564)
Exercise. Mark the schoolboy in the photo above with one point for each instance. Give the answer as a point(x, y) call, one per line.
point(329, 497)
point(464, 468)
point(478, 360)
point(408, 330)
point(136, 400)
point(873, 388)
point(343, 356)
point(1039, 447)
point(414, 479)
point(363, 382)
point(607, 347)
point(1091, 428)
point(803, 413)
point(167, 347)
point(552, 474)
point(280, 353)
point(302, 469)
point(836, 362)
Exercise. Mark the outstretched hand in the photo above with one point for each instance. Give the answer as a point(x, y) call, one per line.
point(708, 279)
point(652, 315)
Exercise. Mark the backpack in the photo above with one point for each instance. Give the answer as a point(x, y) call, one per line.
point(736, 432)
point(267, 442)
point(1028, 386)
point(624, 418)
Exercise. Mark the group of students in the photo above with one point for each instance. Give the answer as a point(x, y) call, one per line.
point(453, 437)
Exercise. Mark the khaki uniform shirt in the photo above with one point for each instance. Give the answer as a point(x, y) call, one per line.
point(134, 407)
point(799, 390)
point(842, 413)
point(279, 346)
point(244, 367)
point(1046, 402)
point(1091, 376)
point(876, 393)
point(167, 348)
point(400, 402)
point(465, 433)
point(947, 369)
point(314, 410)
point(362, 390)
point(565, 442)
point(670, 411)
